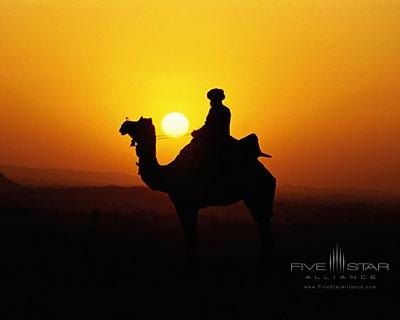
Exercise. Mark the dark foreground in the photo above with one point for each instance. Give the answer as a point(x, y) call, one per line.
point(98, 264)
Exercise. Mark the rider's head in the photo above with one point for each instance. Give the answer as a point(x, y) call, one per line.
point(216, 96)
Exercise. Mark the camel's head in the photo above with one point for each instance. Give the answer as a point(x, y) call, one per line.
point(137, 130)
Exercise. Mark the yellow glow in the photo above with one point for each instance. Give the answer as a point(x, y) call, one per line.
point(317, 81)
point(175, 124)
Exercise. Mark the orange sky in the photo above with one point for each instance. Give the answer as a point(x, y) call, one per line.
point(318, 81)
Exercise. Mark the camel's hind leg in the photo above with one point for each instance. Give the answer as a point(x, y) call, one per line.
point(267, 242)
point(260, 206)
point(188, 218)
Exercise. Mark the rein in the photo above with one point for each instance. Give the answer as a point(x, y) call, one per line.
point(166, 136)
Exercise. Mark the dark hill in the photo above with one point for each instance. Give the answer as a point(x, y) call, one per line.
point(7, 184)
point(50, 177)
point(85, 199)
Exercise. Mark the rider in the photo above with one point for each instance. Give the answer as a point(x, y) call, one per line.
point(213, 141)
point(215, 136)
point(216, 128)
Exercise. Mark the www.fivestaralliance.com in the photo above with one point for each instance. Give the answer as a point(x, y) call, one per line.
point(339, 287)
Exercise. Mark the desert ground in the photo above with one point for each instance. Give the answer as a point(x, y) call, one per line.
point(117, 252)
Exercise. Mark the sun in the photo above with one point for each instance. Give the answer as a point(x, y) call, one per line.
point(175, 124)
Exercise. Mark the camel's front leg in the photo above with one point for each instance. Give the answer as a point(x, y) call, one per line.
point(188, 218)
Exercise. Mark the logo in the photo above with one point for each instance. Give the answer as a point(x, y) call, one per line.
point(336, 260)
point(338, 272)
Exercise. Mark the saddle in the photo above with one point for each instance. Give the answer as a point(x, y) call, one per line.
point(249, 147)
point(203, 151)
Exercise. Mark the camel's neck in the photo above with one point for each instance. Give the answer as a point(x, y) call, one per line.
point(149, 169)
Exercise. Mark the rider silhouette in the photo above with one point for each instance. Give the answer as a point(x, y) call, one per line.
point(213, 141)
point(217, 126)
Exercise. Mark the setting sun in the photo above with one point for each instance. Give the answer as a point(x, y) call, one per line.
point(175, 124)
point(315, 80)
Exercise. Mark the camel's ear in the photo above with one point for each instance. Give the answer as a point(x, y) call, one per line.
point(141, 118)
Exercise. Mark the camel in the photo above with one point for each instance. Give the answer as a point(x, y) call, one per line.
point(190, 188)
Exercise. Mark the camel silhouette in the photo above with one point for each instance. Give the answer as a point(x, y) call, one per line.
point(192, 185)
